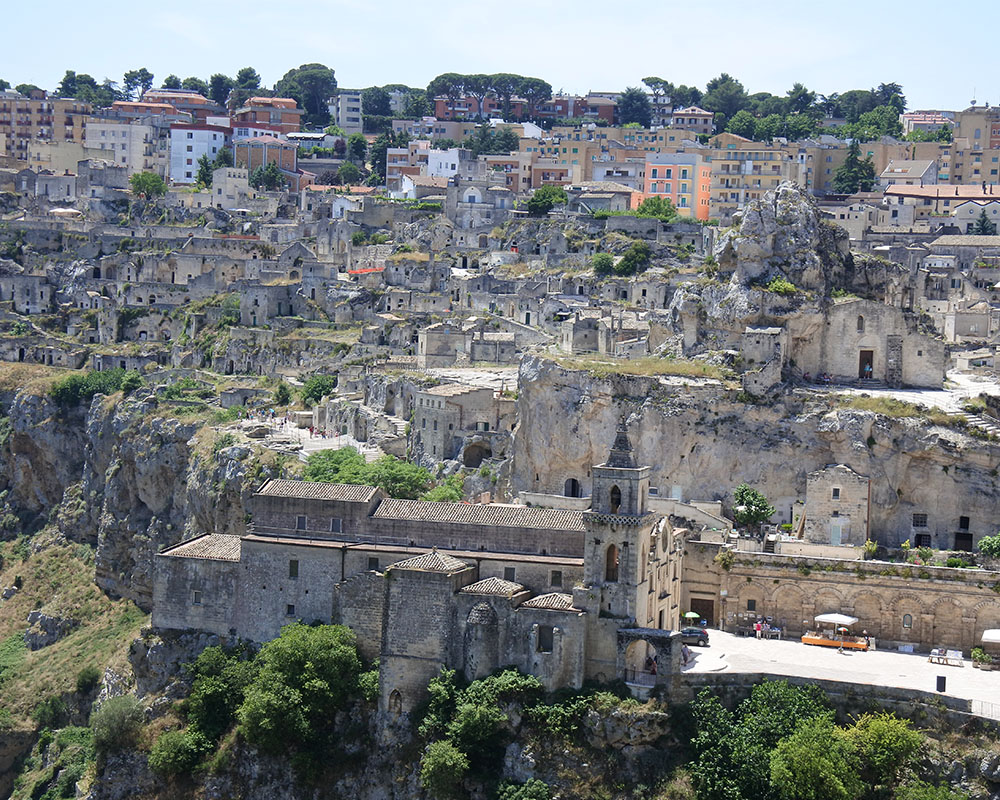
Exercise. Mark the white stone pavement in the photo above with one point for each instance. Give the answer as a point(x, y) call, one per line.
point(733, 653)
point(961, 387)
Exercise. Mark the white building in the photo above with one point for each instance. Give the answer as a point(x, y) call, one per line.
point(188, 143)
point(128, 143)
point(909, 173)
point(967, 213)
point(345, 110)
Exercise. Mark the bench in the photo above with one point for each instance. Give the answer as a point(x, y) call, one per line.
point(951, 658)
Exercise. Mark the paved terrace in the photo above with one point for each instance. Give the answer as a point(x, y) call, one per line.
point(730, 653)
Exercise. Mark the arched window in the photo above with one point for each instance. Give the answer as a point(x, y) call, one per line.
point(395, 702)
point(611, 564)
point(907, 621)
point(861, 324)
point(615, 499)
point(572, 487)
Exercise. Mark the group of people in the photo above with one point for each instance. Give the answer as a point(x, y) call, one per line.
point(823, 377)
point(762, 629)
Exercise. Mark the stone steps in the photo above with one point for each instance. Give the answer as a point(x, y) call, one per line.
point(985, 423)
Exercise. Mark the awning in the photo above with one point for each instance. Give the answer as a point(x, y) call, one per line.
point(991, 636)
point(840, 619)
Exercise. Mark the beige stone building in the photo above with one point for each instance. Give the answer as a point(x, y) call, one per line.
point(838, 501)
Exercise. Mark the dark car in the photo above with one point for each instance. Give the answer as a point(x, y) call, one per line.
point(698, 636)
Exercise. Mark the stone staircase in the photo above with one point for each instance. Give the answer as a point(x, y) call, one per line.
point(984, 423)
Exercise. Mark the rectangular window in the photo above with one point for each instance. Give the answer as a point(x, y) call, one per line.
point(300, 523)
point(919, 520)
point(509, 573)
point(372, 564)
point(555, 578)
point(751, 605)
point(836, 493)
point(196, 598)
point(545, 638)
point(922, 540)
point(293, 568)
point(290, 610)
point(335, 525)
point(963, 541)
point(963, 523)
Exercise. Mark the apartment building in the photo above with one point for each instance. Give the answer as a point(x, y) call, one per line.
point(345, 110)
point(434, 129)
point(277, 114)
point(909, 173)
point(927, 121)
point(694, 119)
point(188, 143)
point(685, 179)
point(139, 145)
point(38, 117)
point(913, 203)
point(186, 101)
point(980, 125)
point(743, 170)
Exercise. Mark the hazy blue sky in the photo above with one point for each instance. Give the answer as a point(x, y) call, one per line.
point(576, 45)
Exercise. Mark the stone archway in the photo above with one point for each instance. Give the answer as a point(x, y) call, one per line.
point(868, 610)
point(648, 657)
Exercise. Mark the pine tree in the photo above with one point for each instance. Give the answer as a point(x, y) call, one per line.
point(855, 174)
point(984, 226)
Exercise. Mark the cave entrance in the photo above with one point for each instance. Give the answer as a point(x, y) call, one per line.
point(866, 364)
point(475, 454)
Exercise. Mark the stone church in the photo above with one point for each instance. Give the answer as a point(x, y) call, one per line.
point(564, 595)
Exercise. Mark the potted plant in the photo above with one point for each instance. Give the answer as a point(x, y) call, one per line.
point(981, 659)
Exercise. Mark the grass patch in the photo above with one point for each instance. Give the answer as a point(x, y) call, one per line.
point(899, 409)
point(604, 366)
point(351, 335)
point(59, 579)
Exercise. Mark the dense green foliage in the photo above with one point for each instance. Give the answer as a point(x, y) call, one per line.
point(544, 199)
point(87, 679)
point(750, 507)
point(395, 477)
point(302, 678)
point(147, 185)
point(855, 174)
point(603, 263)
point(178, 752)
point(220, 681)
point(78, 388)
point(282, 395)
point(984, 226)
point(116, 724)
point(442, 769)
point(815, 762)
point(317, 387)
point(990, 546)
point(269, 177)
point(635, 260)
point(311, 85)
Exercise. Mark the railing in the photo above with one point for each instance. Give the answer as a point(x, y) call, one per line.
point(982, 708)
point(640, 677)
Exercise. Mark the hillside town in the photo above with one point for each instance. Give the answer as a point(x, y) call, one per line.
point(676, 364)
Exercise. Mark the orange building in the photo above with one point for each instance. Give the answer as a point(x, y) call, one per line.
point(683, 178)
point(279, 114)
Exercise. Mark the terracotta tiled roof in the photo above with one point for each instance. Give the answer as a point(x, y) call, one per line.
point(432, 562)
point(944, 191)
point(450, 389)
point(496, 587)
point(308, 490)
point(555, 601)
point(211, 546)
point(494, 515)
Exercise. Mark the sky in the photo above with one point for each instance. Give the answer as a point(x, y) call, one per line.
point(576, 45)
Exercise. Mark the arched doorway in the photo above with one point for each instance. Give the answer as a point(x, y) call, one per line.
point(572, 488)
point(615, 499)
point(611, 564)
point(641, 665)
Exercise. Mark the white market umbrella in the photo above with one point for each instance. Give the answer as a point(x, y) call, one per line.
point(840, 619)
point(991, 636)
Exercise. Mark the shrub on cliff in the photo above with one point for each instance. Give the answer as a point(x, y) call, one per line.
point(442, 769)
point(178, 752)
point(116, 724)
point(78, 388)
point(395, 477)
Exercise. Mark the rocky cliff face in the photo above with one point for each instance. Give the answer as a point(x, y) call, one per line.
point(697, 435)
point(124, 477)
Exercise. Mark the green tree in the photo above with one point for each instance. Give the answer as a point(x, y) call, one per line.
point(854, 175)
point(447, 491)
point(304, 677)
point(131, 381)
point(659, 88)
point(220, 680)
point(602, 263)
point(268, 177)
point(534, 789)
point(817, 762)
point(137, 82)
point(377, 153)
point(83, 87)
point(880, 121)
point(219, 87)
point(312, 85)
point(658, 207)
point(147, 185)
point(633, 106)
point(282, 395)
point(742, 124)
point(544, 199)
point(989, 546)
point(4, 85)
point(442, 769)
point(686, 96)
point(348, 174)
point(478, 86)
point(886, 747)
point(724, 95)
point(535, 91)
point(317, 387)
point(357, 147)
point(635, 260)
point(116, 724)
point(750, 507)
point(505, 86)
point(417, 105)
point(375, 102)
point(246, 85)
point(984, 226)
point(171, 82)
point(799, 126)
point(767, 128)
point(224, 158)
point(448, 84)
point(26, 89)
point(890, 94)
point(204, 173)
point(919, 790)
point(800, 99)
point(395, 477)
point(196, 85)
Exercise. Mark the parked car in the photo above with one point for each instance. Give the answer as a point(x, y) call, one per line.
point(698, 636)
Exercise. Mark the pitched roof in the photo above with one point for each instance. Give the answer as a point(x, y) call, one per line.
point(496, 587)
point(944, 191)
point(451, 389)
point(309, 490)
point(554, 601)
point(966, 241)
point(494, 515)
point(432, 562)
point(434, 181)
point(211, 546)
point(692, 110)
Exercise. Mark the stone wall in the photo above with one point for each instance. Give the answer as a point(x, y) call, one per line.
point(358, 603)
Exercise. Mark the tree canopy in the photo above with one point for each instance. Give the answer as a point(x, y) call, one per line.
point(544, 199)
point(855, 174)
point(136, 83)
point(147, 185)
point(633, 106)
point(750, 507)
point(312, 85)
